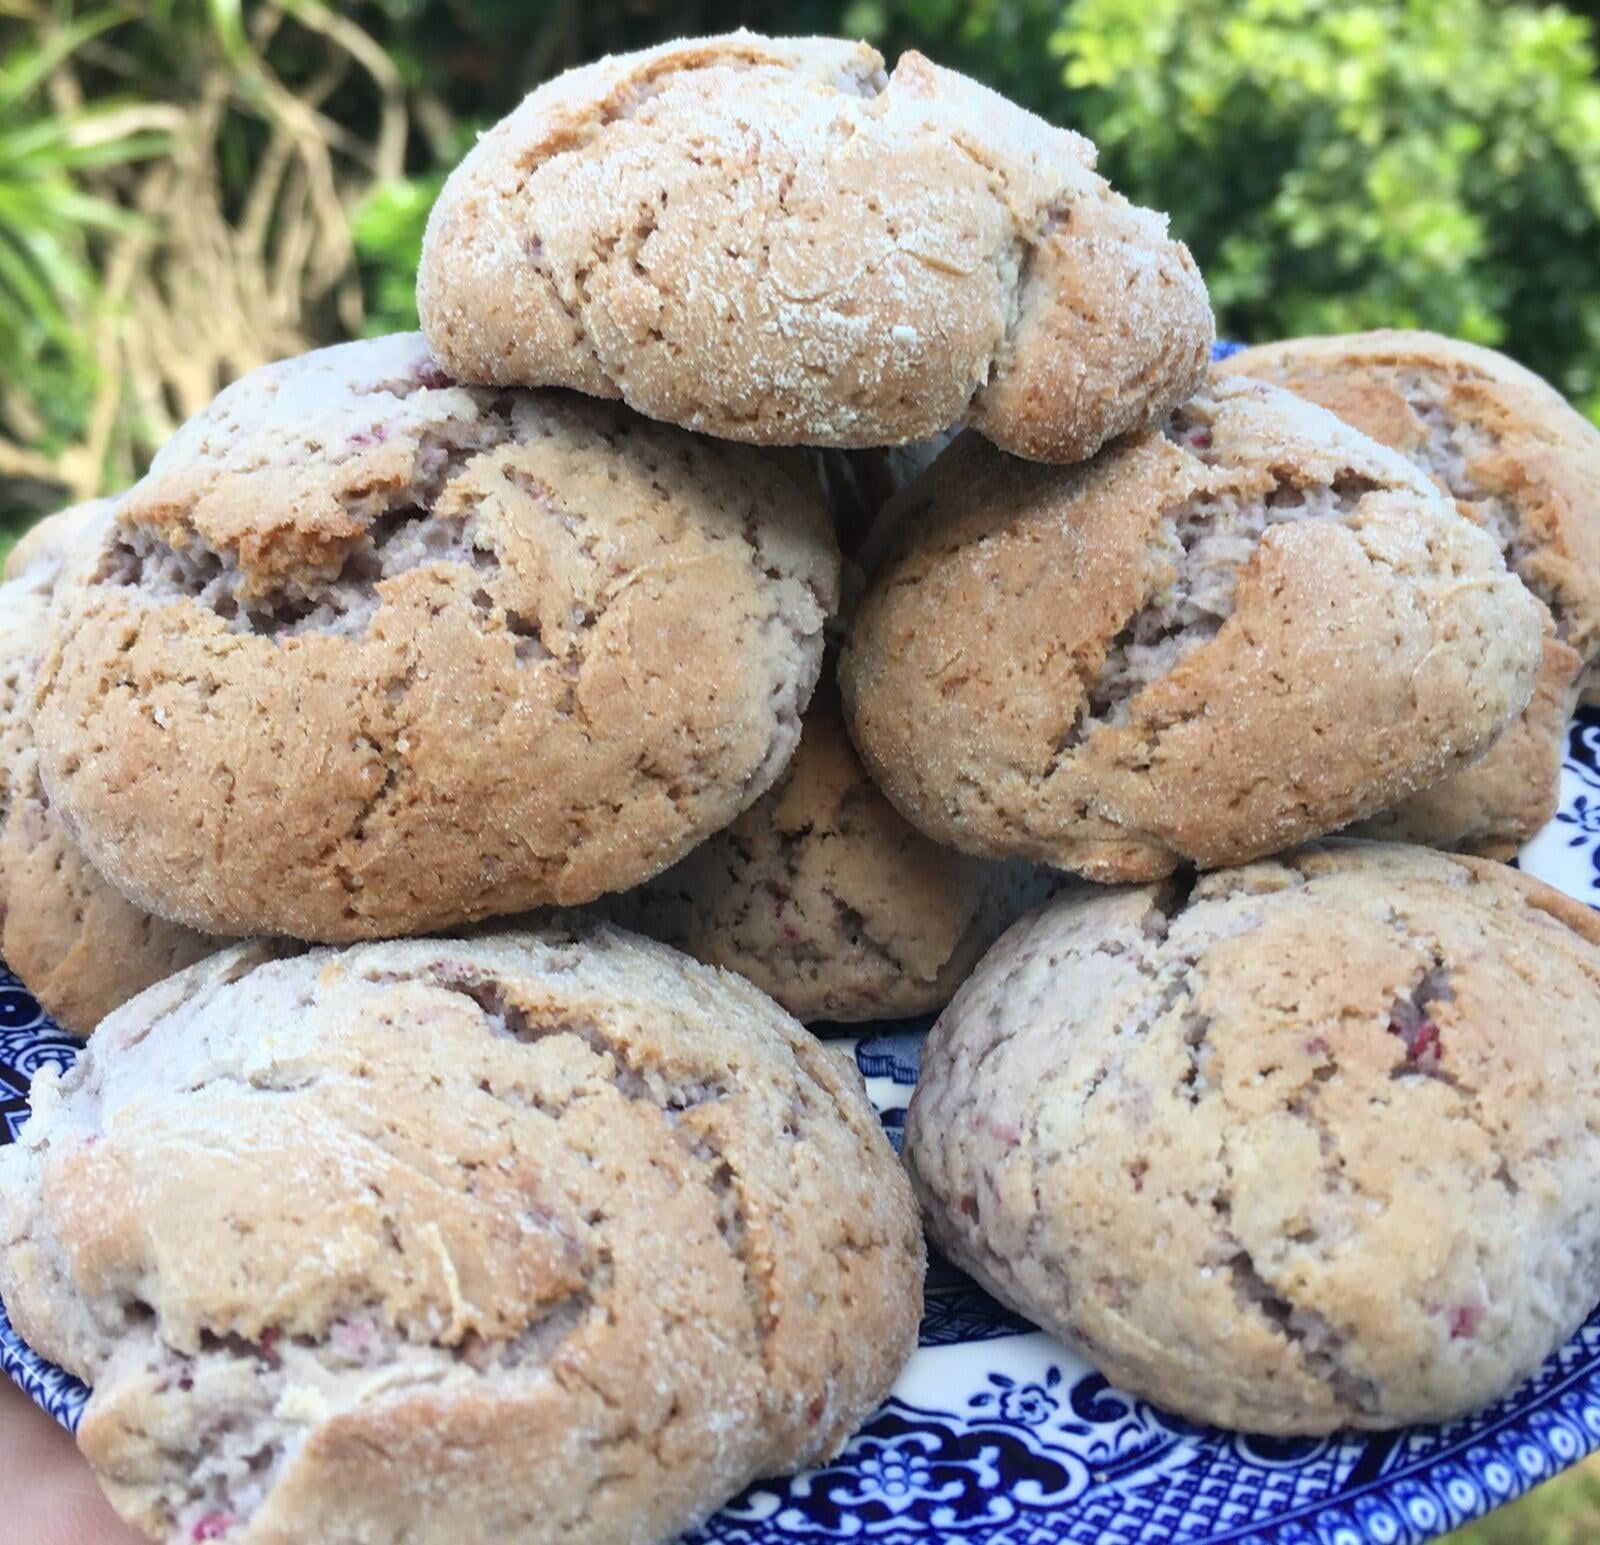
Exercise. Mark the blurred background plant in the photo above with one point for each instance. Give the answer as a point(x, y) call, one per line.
point(191, 187)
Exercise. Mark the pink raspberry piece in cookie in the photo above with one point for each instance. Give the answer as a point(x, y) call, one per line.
point(1422, 1042)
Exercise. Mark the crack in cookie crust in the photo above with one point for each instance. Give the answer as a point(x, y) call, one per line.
point(1523, 464)
point(1518, 459)
point(1195, 558)
point(1184, 649)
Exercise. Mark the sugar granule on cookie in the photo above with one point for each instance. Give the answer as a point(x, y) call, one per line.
point(775, 240)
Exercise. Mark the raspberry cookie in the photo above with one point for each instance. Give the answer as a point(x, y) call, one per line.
point(537, 1237)
point(1245, 628)
point(79, 946)
point(370, 653)
point(1524, 464)
point(772, 240)
point(1504, 444)
point(1315, 1146)
point(824, 896)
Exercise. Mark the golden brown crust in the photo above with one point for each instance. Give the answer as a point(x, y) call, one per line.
point(772, 241)
point(1501, 800)
point(530, 1237)
point(24, 610)
point(368, 653)
point(826, 897)
point(78, 945)
point(76, 942)
point(1205, 644)
point(1520, 461)
point(1313, 1147)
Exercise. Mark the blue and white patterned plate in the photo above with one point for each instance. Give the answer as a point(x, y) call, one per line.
point(995, 1433)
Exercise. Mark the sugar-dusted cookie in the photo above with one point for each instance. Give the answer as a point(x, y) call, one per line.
point(773, 240)
point(79, 946)
point(538, 1237)
point(1523, 463)
point(369, 653)
point(1245, 628)
point(1316, 1146)
point(825, 896)
point(1512, 452)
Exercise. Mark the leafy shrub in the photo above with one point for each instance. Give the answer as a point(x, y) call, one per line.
point(49, 227)
point(387, 229)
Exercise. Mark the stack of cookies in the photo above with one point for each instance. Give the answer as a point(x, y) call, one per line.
point(404, 1220)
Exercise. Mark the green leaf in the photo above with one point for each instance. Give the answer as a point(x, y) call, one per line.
point(25, 69)
point(227, 24)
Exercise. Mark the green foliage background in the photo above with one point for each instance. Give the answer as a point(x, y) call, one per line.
point(1333, 166)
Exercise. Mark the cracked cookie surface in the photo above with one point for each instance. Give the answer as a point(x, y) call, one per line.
point(773, 240)
point(79, 946)
point(1524, 464)
point(369, 653)
point(1512, 452)
point(528, 1237)
point(823, 895)
point(1247, 628)
point(1314, 1146)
